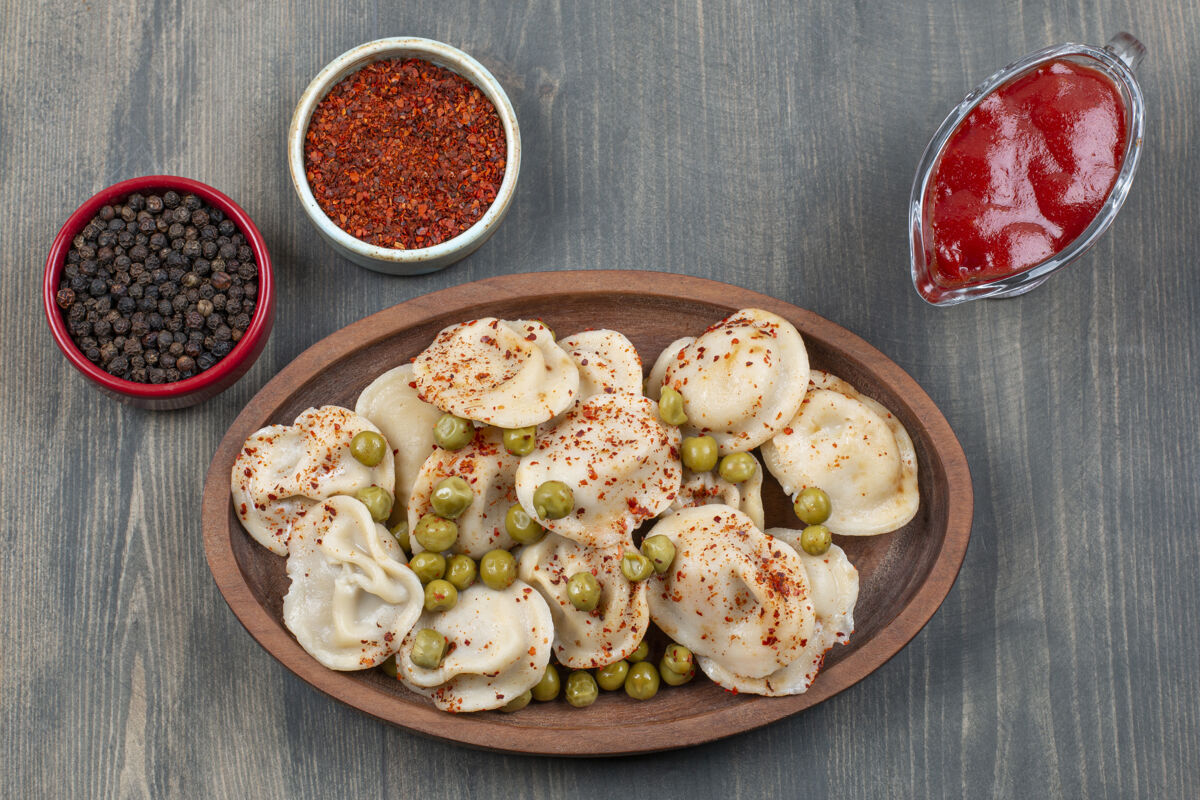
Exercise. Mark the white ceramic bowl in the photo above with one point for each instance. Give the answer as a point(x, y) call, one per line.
point(384, 259)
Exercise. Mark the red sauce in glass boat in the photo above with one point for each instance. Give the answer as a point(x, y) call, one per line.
point(1023, 174)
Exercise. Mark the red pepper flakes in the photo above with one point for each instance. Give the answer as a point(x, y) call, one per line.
point(405, 154)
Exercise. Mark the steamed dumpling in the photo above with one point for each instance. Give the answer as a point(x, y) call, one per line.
point(391, 403)
point(502, 373)
point(856, 451)
point(658, 373)
point(586, 639)
point(283, 470)
point(742, 380)
point(702, 488)
point(621, 463)
point(489, 469)
point(733, 594)
point(833, 586)
point(607, 362)
point(352, 598)
point(499, 645)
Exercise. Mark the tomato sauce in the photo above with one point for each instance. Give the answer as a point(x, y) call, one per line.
point(1023, 174)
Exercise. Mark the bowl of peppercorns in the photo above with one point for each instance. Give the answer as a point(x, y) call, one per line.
point(404, 153)
point(159, 290)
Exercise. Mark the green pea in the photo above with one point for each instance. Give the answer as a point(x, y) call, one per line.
point(583, 590)
point(661, 552)
point(440, 595)
point(436, 534)
point(816, 540)
point(636, 567)
point(521, 527)
point(738, 467)
point(677, 659)
point(429, 648)
point(612, 677)
point(389, 666)
point(453, 433)
point(451, 497)
point(812, 506)
point(520, 441)
point(547, 688)
point(498, 569)
point(642, 681)
point(670, 407)
point(518, 702)
point(672, 678)
point(368, 448)
point(428, 566)
point(699, 453)
point(400, 531)
point(553, 500)
point(378, 501)
point(581, 689)
point(640, 654)
point(460, 571)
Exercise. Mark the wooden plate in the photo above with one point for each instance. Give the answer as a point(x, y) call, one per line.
point(904, 575)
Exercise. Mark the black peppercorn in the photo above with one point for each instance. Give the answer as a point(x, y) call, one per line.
point(153, 287)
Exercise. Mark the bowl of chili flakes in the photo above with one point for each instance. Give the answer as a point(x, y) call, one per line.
point(404, 153)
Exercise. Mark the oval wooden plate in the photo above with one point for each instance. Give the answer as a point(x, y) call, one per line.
point(904, 576)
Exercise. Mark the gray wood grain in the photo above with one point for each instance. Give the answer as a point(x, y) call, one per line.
point(770, 147)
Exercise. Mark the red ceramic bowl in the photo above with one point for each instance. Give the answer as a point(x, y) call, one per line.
point(197, 388)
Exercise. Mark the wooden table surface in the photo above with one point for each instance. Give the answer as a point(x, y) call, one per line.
point(769, 145)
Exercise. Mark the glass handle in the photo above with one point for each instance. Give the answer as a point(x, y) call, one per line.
point(1126, 47)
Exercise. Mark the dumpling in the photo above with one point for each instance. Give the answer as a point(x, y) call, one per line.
point(742, 380)
point(856, 451)
point(489, 469)
point(607, 361)
point(502, 373)
point(658, 373)
point(621, 463)
point(585, 639)
point(390, 402)
point(499, 645)
point(283, 469)
point(353, 598)
point(833, 583)
point(702, 488)
point(733, 594)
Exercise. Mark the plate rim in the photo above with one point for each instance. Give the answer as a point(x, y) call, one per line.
point(510, 736)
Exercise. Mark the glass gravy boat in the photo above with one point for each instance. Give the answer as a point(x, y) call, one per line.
point(1116, 60)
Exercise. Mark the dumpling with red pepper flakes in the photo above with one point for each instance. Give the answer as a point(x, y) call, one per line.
point(489, 469)
point(733, 594)
point(856, 451)
point(587, 639)
point(620, 462)
point(352, 598)
point(607, 361)
point(511, 374)
point(833, 584)
point(283, 469)
point(702, 488)
point(742, 381)
point(658, 372)
point(498, 645)
point(390, 402)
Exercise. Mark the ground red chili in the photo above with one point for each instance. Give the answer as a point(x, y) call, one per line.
point(405, 154)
